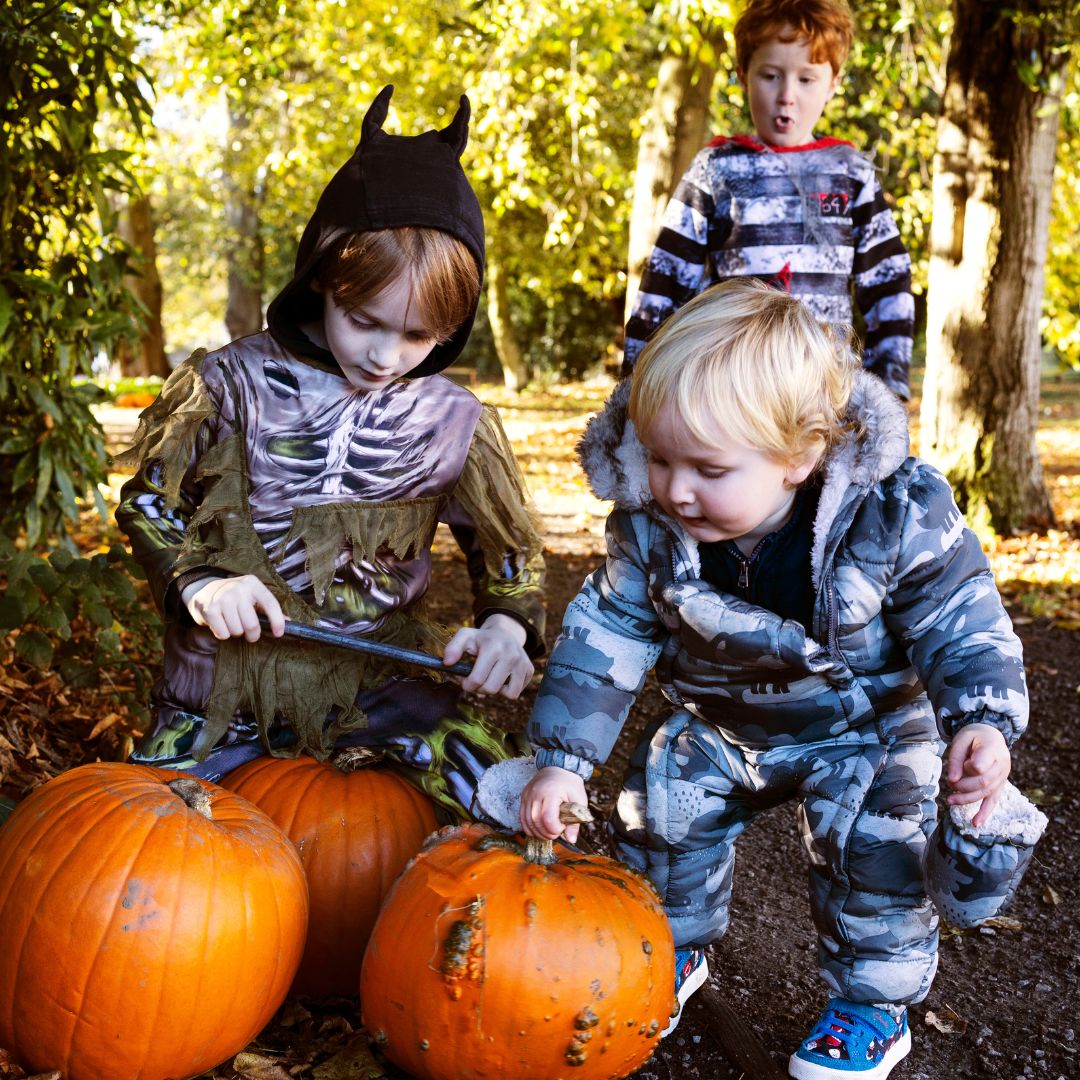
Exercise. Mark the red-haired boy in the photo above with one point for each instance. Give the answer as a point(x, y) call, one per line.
point(803, 213)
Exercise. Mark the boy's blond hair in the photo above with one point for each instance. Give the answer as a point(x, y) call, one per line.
point(825, 24)
point(751, 364)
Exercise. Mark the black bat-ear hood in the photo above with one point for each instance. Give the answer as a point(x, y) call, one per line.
point(388, 182)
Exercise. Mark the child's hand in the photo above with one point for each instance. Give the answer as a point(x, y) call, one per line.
point(230, 606)
point(977, 767)
point(500, 665)
point(541, 799)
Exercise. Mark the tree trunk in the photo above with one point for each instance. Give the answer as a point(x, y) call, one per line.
point(244, 255)
point(515, 371)
point(674, 131)
point(136, 229)
point(993, 175)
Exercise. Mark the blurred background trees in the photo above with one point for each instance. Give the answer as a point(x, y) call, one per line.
point(160, 160)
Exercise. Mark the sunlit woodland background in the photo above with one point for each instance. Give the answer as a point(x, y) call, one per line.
point(158, 162)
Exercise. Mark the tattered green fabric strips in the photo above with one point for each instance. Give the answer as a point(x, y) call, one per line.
point(403, 527)
point(168, 428)
point(304, 683)
point(489, 485)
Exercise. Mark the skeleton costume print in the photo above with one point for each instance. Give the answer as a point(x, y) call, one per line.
point(261, 458)
point(811, 220)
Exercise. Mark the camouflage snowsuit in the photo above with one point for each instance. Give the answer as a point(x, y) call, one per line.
point(840, 715)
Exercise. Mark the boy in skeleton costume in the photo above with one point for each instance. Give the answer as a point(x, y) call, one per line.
point(301, 472)
point(804, 214)
point(819, 619)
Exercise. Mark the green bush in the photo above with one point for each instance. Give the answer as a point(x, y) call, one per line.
point(82, 618)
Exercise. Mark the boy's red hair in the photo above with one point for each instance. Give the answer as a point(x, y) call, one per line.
point(826, 24)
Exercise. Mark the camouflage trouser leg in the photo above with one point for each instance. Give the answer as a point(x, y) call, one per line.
point(430, 735)
point(686, 797)
point(866, 815)
point(866, 811)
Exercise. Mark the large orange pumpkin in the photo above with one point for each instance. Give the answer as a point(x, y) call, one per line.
point(355, 831)
point(150, 924)
point(485, 964)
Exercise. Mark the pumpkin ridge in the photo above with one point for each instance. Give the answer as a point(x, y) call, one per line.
point(126, 811)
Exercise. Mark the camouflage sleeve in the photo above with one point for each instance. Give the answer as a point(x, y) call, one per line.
point(611, 638)
point(492, 519)
point(944, 605)
point(157, 503)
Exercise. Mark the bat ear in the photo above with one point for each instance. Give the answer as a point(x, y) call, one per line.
point(376, 114)
point(456, 133)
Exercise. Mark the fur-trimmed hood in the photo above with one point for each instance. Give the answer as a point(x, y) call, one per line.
point(616, 463)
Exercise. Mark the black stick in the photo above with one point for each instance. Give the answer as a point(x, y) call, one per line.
point(736, 1038)
point(361, 644)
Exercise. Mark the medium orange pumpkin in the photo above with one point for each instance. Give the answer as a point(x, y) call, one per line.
point(151, 924)
point(485, 964)
point(355, 831)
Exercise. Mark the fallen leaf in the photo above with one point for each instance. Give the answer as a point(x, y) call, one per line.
point(355, 1062)
point(104, 724)
point(1003, 922)
point(259, 1067)
point(947, 1022)
point(1050, 896)
point(9, 1067)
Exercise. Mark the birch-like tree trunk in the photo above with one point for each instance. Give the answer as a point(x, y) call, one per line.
point(244, 254)
point(674, 131)
point(993, 176)
point(515, 370)
point(147, 356)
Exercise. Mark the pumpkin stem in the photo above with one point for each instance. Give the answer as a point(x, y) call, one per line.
point(193, 793)
point(542, 852)
point(353, 758)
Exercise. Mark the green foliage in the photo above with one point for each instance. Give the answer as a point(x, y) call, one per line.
point(62, 299)
point(1061, 302)
point(81, 617)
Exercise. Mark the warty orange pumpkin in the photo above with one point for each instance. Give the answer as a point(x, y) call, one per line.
point(355, 829)
point(484, 964)
point(152, 923)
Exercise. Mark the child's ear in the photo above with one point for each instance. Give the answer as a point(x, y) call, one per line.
point(799, 469)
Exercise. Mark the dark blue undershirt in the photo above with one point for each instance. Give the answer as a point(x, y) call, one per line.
point(776, 575)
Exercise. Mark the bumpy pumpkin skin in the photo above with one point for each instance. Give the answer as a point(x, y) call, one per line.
point(355, 832)
point(483, 965)
point(141, 939)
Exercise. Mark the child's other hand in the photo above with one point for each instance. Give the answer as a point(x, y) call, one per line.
point(229, 607)
point(977, 767)
point(541, 799)
point(500, 664)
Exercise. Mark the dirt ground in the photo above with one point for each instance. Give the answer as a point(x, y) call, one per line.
point(1004, 1003)
point(1003, 1007)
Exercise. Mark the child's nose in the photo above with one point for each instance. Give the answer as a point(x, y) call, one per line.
point(680, 490)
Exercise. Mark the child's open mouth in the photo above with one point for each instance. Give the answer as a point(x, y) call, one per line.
point(784, 123)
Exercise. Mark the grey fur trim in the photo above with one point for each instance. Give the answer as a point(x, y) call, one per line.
point(867, 456)
point(1015, 819)
point(499, 791)
point(612, 455)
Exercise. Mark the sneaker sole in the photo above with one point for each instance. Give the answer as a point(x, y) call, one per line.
point(694, 982)
point(801, 1069)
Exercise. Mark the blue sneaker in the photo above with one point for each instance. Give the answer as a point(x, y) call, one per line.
point(852, 1040)
point(691, 970)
